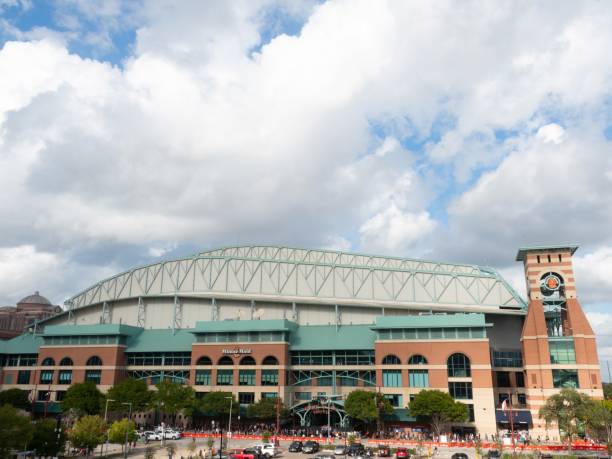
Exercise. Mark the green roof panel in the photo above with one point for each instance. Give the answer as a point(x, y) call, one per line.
point(98, 329)
point(161, 341)
point(325, 337)
point(224, 326)
point(22, 344)
point(431, 321)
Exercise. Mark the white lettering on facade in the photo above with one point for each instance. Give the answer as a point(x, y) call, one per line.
point(236, 351)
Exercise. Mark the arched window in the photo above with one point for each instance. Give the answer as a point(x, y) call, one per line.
point(66, 362)
point(417, 359)
point(270, 360)
point(48, 362)
point(391, 360)
point(94, 361)
point(225, 360)
point(248, 360)
point(204, 360)
point(459, 366)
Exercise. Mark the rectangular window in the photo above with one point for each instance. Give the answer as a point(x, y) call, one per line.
point(303, 396)
point(503, 379)
point(23, 377)
point(522, 399)
point(562, 351)
point(565, 378)
point(202, 378)
point(369, 378)
point(65, 377)
point(324, 381)
point(43, 395)
point(501, 398)
point(418, 378)
point(269, 377)
point(512, 358)
point(470, 412)
point(8, 379)
point(396, 400)
point(460, 390)
point(95, 376)
point(246, 398)
point(46, 376)
point(392, 378)
point(246, 377)
point(59, 395)
point(269, 395)
point(519, 377)
point(225, 377)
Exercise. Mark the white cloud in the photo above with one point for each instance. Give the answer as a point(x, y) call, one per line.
point(197, 139)
point(551, 133)
point(23, 269)
point(393, 231)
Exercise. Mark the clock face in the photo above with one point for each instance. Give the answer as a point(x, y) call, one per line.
point(550, 283)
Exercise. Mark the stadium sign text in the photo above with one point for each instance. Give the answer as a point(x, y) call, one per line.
point(236, 351)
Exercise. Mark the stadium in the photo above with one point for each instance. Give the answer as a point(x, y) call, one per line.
point(310, 326)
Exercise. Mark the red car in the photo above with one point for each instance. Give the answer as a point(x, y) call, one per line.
point(248, 453)
point(402, 453)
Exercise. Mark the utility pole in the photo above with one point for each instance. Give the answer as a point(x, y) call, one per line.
point(125, 449)
point(105, 414)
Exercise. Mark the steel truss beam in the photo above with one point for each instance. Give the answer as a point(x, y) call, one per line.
point(322, 276)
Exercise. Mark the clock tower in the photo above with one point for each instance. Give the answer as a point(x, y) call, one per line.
point(558, 343)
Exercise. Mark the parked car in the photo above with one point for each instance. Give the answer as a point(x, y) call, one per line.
point(268, 449)
point(310, 447)
point(402, 453)
point(340, 450)
point(153, 435)
point(459, 456)
point(356, 449)
point(493, 454)
point(295, 447)
point(384, 451)
point(247, 453)
point(171, 434)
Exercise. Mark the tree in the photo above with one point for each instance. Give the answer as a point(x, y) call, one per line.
point(266, 408)
point(15, 431)
point(118, 429)
point(45, 440)
point(599, 420)
point(17, 398)
point(607, 388)
point(366, 406)
point(439, 408)
point(88, 432)
point(569, 409)
point(216, 403)
point(171, 398)
point(134, 391)
point(83, 397)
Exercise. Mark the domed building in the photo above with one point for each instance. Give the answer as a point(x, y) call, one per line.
point(311, 326)
point(14, 320)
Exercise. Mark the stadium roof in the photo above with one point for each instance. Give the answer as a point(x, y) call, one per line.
point(284, 274)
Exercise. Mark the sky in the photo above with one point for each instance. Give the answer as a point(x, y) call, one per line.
point(132, 132)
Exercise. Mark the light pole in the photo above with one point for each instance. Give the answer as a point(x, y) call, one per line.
point(127, 428)
point(105, 413)
point(229, 423)
point(329, 402)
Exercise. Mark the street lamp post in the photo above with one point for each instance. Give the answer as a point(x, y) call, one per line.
point(329, 402)
point(229, 423)
point(127, 428)
point(105, 413)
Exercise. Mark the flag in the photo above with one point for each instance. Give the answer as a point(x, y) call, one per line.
point(504, 405)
